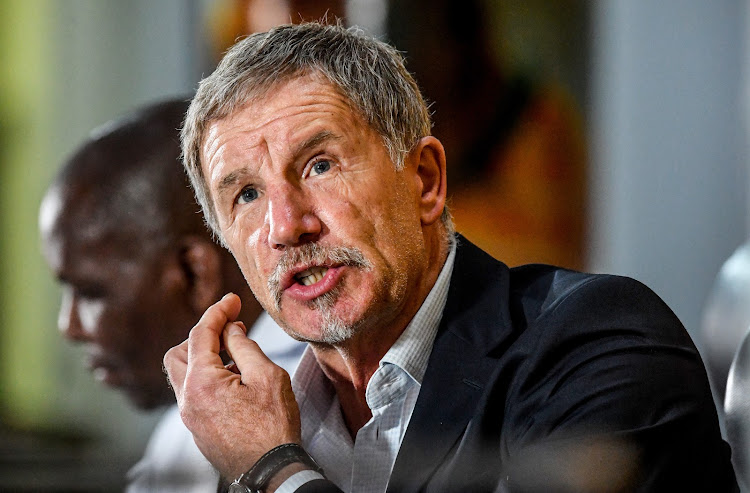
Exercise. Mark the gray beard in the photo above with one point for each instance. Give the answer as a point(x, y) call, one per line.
point(333, 330)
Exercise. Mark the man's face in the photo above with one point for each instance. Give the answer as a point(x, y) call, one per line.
point(121, 306)
point(326, 231)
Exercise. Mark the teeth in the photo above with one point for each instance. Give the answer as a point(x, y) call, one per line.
point(311, 275)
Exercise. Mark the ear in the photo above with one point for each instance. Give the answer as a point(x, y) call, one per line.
point(201, 262)
point(428, 158)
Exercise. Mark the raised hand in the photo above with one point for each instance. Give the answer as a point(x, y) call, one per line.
point(236, 412)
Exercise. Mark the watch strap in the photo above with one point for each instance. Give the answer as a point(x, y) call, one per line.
point(258, 476)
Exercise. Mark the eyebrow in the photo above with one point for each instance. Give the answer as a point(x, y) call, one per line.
point(234, 177)
point(315, 140)
point(230, 180)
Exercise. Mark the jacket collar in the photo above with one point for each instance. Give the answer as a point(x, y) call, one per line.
point(476, 320)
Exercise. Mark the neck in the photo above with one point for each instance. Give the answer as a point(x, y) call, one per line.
point(350, 365)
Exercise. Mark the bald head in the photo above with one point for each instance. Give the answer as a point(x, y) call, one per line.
point(124, 236)
point(126, 180)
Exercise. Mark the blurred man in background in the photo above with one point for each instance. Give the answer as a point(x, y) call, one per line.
point(125, 238)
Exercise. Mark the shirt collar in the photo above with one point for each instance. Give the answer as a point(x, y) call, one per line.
point(412, 349)
point(410, 352)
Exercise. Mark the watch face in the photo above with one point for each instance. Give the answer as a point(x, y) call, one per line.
point(238, 488)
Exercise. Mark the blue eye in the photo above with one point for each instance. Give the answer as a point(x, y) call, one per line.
point(247, 195)
point(320, 167)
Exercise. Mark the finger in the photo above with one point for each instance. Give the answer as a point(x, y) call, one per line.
point(224, 354)
point(204, 339)
point(230, 365)
point(175, 366)
point(245, 353)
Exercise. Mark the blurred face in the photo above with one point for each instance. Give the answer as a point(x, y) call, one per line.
point(123, 307)
point(326, 231)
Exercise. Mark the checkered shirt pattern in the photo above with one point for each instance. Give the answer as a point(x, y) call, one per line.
point(364, 465)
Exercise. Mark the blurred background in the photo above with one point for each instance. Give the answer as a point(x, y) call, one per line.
point(646, 102)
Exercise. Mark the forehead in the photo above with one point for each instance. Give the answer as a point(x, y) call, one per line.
point(282, 115)
point(80, 259)
point(306, 89)
point(79, 245)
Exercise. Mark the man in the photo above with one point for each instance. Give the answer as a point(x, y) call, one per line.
point(430, 366)
point(123, 235)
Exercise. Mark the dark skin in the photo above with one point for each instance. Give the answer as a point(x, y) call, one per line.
point(136, 265)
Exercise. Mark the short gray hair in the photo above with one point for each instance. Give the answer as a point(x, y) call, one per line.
point(369, 73)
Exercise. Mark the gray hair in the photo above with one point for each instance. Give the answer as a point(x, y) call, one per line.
point(369, 73)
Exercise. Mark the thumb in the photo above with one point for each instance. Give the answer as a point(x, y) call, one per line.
point(246, 354)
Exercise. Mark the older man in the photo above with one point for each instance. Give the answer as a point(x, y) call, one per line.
point(431, 366)
point(122, 233)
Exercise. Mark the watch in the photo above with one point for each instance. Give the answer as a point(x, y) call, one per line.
point(257, 477)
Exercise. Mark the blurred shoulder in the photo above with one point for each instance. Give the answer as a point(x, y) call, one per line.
point(577, 300)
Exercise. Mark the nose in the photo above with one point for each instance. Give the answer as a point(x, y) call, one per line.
point(68, 320)
point(291, 219)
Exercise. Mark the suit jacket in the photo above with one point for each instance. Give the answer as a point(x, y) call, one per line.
point(544, 379)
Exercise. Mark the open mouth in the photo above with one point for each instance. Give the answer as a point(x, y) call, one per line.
point(312, 270)
point(311, 276)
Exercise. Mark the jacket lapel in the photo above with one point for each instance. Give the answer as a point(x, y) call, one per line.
point(475, 320)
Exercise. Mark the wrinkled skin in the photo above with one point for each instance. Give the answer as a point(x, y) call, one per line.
point(297, 168)
point(320, 175)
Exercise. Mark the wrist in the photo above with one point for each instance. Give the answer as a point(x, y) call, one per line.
point(273, 468)
point(284, 473)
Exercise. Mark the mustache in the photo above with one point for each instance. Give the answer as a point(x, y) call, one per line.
point(313, 254)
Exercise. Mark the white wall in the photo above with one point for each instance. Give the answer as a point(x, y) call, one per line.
point(669, 160)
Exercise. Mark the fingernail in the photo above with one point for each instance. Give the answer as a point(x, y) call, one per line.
point(227, 295)
point(235, 329)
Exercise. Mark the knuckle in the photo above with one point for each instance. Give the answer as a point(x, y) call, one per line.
point(251, 343)
point(193, 403)
point(169, 356)
point(275, 377)
point(187, 415)
point(193, 337)
point(279, 374)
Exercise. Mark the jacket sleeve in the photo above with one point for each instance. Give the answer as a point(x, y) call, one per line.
point(611, 385)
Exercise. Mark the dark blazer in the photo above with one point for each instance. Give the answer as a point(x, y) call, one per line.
point(544, 379)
